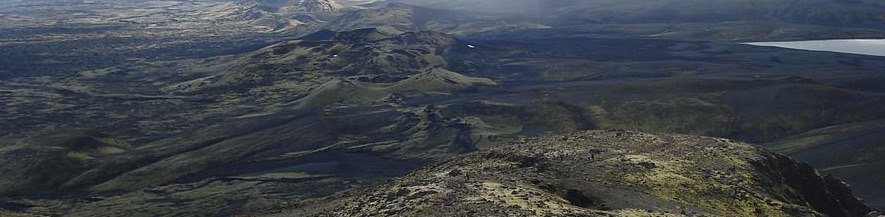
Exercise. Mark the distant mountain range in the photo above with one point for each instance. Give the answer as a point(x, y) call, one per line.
point(844, 13)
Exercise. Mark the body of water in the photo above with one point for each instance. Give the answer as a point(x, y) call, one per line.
point(874, 47)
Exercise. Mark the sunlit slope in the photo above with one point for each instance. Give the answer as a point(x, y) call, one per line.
point(325, 66)
point(398, 17)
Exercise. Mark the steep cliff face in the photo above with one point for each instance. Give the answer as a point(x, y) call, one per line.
point(605, 173)
point(859, 148)
point(827, 194)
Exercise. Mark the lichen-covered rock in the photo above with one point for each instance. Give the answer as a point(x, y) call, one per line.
point(631, 174)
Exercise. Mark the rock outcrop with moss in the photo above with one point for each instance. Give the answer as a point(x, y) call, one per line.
point(604, 173)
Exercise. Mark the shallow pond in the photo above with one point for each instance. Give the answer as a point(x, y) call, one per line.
point(874, 47)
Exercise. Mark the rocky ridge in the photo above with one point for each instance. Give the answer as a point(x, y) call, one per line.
point(604, 173)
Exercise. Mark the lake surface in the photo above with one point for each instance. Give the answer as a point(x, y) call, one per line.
point(874, 47)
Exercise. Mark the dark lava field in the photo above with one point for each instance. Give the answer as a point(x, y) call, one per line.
point(439, 108)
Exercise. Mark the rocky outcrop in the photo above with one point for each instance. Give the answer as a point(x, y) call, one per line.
point(605, 173)
point(319, 5)
point(827, 194)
